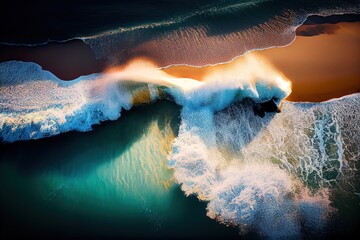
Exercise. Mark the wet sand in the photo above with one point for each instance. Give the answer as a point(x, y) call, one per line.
point(322, 63)
point(67, 60)
point(321, 67)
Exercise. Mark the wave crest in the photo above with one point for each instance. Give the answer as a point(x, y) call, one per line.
point(35, 104)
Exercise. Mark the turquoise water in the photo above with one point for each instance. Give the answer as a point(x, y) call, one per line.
point(112, 182)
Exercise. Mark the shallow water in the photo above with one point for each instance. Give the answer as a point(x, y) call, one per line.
point(112, 182)
point(288, 175)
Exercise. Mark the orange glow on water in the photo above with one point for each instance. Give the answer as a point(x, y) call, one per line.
point(248, 69)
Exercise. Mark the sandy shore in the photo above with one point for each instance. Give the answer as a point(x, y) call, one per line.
point(322, 63)
point(321, 67)
point(67, 60)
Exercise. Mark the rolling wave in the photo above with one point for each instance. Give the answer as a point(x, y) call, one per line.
point(274, 174)
point(35, 104)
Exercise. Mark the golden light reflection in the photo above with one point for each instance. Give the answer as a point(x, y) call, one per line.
point(320, 67)
point(246, 70)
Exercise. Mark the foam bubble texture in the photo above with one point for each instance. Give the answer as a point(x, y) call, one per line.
point(271, 174)
point(36, 104)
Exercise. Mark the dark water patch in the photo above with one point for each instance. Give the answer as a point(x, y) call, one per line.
point(317, 25)
point(39, 21)
point(332, 19)
point(345, 222)
point(32, 218)
point(168, 32)
point(314, 30)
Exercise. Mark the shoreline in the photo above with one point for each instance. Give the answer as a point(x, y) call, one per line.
point(308, 62)
point(321, 65)
point(66, 60)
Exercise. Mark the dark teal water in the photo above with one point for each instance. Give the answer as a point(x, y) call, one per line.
point(36, 22)
point(110, 182)
point(113, 183)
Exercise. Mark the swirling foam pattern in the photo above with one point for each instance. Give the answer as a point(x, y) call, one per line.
point(35, 104)
point(270, 174)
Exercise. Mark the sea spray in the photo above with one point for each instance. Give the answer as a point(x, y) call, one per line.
point(35, 104)
point(273, 174)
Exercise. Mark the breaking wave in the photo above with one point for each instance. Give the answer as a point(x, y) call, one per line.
point(35, 104)
point(274, 174)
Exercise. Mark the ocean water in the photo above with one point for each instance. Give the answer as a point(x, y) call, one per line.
point(36, 104)
point(280, 176)
point(167, 32)
point(276, 175)
point(115, 181)
point(214, 33)
point(110, 182)
point(136, 152)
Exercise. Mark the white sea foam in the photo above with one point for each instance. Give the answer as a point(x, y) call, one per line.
point(271, 174)
point(34, 103)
